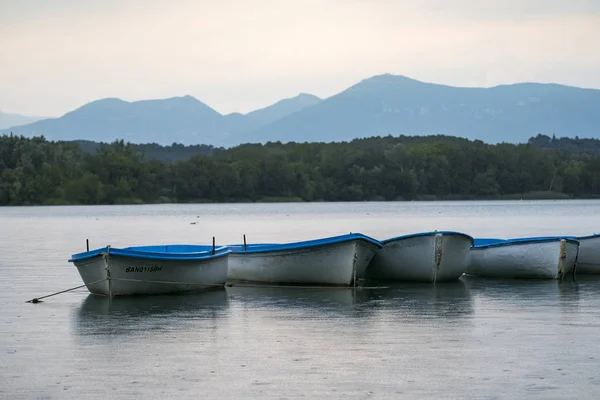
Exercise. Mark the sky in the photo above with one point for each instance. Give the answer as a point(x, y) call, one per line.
point(240, 55)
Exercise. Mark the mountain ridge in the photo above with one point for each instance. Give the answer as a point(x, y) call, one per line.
point(389, 104)
point(384, 104)
point(182, 119)
point(8, 120)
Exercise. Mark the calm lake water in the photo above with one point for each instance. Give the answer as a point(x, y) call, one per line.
point(473, 339)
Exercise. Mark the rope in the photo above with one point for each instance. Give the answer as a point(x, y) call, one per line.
point(38, 299)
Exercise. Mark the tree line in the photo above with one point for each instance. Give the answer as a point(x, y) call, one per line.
point(36, 171)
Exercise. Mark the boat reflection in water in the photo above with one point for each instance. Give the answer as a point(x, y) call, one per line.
point(521, 294)
point(445, 300)
point(100, 315)
point(419, 301)
point(318, 301)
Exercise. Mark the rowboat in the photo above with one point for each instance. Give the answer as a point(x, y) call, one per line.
point(588, 258)
point(423, 257)
point(337, 260)
point(534, 257)
point(588, 261)
point(160, 269)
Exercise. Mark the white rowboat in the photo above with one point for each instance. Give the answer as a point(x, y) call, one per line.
point(152, 269)
point(422, 257)
point(538, 257)
point(588, 261)
point(338, 260)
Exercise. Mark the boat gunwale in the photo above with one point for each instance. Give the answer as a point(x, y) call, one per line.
point(422, 234)
point(131, 252)
point(258, 248)
point(529, 240)
point(592, 236)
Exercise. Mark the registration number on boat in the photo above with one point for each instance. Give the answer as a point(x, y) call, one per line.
point(145, 268)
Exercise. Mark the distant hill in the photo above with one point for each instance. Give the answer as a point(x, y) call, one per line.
point(179, 119)
point(378, 106)
point(184, 120)
point(239, 125)
point(283, 108)
point(7, 120)
point(388, 104)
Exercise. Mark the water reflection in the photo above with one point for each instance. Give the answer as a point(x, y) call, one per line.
point(99, 315)
point(524, 292)
point(312, 300)
point(412, 301)
point(444, 300)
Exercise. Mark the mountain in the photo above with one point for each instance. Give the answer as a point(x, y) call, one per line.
point(7, 120)
point(178, 119)
point(183, 120)
point(390, 104)
point(378, 106)
point(283, 108)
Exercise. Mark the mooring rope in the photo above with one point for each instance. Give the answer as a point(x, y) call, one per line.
point(229, 284)
point(38, 299)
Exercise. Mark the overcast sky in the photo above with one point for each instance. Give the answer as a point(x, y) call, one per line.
point(239, 55)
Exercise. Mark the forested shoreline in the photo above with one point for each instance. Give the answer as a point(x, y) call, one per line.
point(35, 171)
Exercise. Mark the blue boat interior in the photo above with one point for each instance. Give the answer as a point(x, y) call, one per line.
point(270, 247)
point(172, 248)
point(159, 252)
point(414, 235)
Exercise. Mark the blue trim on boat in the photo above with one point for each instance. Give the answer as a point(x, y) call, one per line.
point(570, 237)
point(179, 252)
point(271, 247)
point(414, 235)
point(593, 235)
point(478, 242)
point(487, 243)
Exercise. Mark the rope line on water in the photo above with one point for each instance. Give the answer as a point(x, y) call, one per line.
point(229, 284)
point(38, 299)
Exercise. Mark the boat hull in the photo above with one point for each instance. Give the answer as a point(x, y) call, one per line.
point(121, 276)
point(434, 257)
point(330, 264)
point(526, 259)
point(588, 260)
